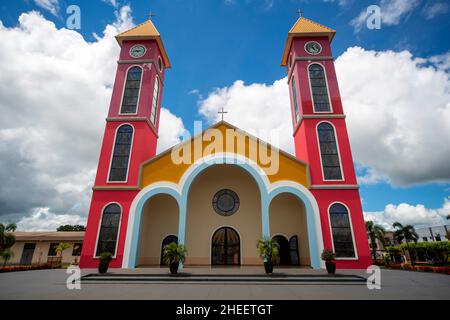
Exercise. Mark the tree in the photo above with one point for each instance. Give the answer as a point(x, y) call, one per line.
point(448, 217)
point(6, 255)
point(407, 233)
point(69, 227)
point(7, 238)
point(61, 247)
point(374, 232)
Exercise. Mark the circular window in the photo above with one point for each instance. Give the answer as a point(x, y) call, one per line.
point(225, 202)
point(160, 64)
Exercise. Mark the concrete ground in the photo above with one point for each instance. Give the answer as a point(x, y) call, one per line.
point(395, 284)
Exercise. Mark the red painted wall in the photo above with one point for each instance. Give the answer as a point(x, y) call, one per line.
point(144, 144)
point(307, 146)
point(99, 201)
point(351, 199)
point(143, 148)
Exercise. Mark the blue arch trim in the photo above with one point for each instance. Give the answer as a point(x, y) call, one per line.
point(233, 161)
point(136, 232)
point(266, 198)
point(312, 235)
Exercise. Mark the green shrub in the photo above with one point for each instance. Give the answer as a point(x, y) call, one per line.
point(327, 255)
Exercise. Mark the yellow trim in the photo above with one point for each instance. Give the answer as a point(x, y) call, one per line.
point(162, 168)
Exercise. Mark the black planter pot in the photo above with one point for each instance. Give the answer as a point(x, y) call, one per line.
point(103, 266)
point(331, 267)
point(268, 266)
point(174, 267)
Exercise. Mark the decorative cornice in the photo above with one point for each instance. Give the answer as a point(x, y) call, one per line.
point(315, 58)
point(335, 186)
point(324, 115)
point(136, 61)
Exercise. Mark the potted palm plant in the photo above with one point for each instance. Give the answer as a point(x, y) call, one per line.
point(173, 254)
point(328, 256)
point(268, 251)
point(105, 259)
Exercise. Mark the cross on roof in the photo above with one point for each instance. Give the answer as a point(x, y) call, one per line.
point(300, 12)
point(150, 15)
point(222, 112)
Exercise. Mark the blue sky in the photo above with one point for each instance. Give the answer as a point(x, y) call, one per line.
point(213, 43)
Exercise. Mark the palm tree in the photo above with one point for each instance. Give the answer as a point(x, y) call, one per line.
point(7, 238)
point(6, 255)
point(61, 247)
point(407, 233)
point(374, 231)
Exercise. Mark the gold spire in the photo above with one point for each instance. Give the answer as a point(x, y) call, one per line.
point(305, 28)
point(145, 31)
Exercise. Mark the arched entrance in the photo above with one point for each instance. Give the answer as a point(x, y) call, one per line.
point(288, 222)
point(283, 250)
point(223, 195)
point(169, 239)
point(288, 250)
point(226, 247)
point(160, 216)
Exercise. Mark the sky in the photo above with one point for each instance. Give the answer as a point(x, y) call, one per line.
point(56, 83)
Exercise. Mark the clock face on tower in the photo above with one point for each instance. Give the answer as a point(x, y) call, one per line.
point(138, 51)
point(313, 47)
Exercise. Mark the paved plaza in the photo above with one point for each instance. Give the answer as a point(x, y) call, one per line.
point(395, 284)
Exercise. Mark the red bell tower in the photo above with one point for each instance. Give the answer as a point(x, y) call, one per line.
point(130, 138)
point(321, 140)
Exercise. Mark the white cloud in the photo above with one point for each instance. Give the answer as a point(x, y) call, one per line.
point(44, 220)
point(398, 114)
point(405, 213)
point(54, 101)
point(171, 129)
point(257, 108)
point(51, 6)
point(442, 61)
point(432, 10)
point(392, 12)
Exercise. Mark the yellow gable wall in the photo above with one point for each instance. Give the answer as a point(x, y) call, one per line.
point(163, 168)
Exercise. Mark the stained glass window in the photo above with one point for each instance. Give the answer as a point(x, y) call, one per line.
point(342, 232)
point(131, 91)
point(319, 88)
point(121, 154)
point(109, 229)
point(329, 152)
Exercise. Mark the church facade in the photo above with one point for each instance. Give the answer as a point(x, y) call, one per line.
point(224, 189)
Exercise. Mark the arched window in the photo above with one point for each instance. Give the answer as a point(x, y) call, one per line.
point(329, 152)
point(121, 154)
point(131, 91)
point(341, 231)
point(294, 98)
point(319, 88)
point(155, 100)
point(109, 230)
